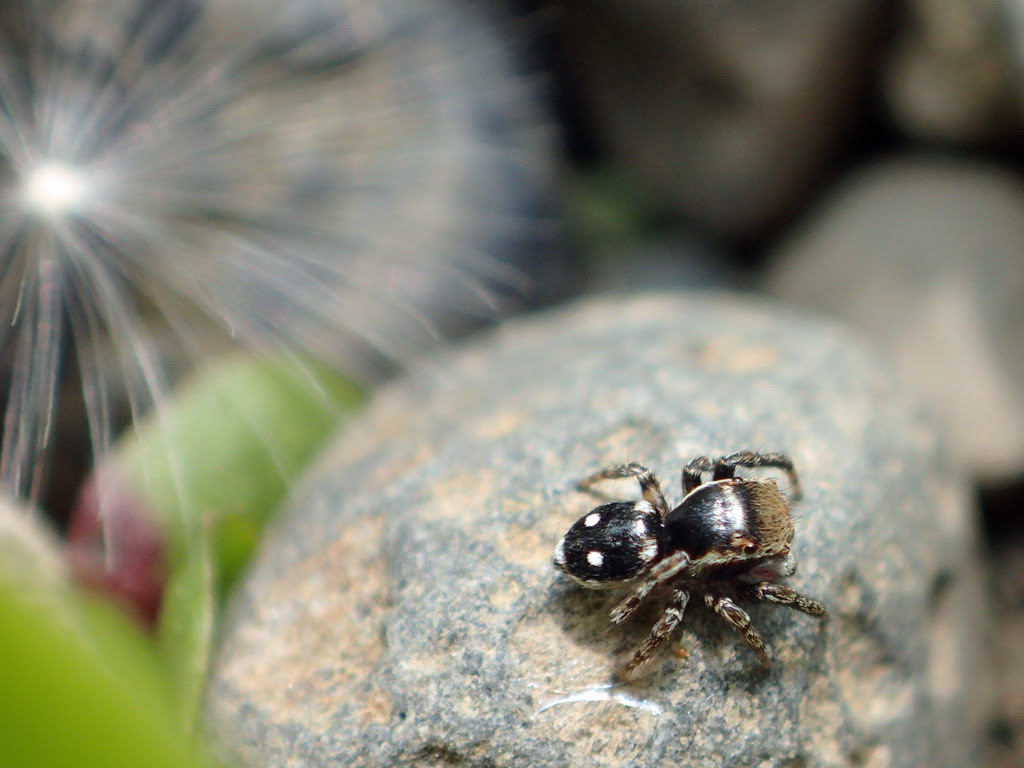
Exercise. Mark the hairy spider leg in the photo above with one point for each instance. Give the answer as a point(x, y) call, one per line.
point(661, 631)
point(693, 470)
point(661, 572)
point(724, 468)
point(649, 485)
point(776, 593)
point(739, 619)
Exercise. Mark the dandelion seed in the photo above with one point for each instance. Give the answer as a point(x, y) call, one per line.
point(335, 177)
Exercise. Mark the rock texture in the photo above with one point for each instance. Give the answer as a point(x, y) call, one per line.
point(924, 254)
point(405, 610)
point(955, 72)
point(1007, 575)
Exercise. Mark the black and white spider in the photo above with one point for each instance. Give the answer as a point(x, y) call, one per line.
point(726, 539)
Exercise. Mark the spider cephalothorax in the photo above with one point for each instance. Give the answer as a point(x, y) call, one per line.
point(727, 538)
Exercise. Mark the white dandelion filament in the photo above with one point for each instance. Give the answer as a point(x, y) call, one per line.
point(323, 176)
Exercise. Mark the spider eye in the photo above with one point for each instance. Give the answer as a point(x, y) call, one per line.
point(750, 549)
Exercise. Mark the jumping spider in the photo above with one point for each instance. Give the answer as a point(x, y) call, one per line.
point(727, 538)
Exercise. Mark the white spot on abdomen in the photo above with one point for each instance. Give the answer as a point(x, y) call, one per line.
point(649, 551)
point(595, 558)
point(592, 519)
point(560, 553)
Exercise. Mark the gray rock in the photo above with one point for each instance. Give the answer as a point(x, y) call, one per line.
point(955, 72)
point(726, 113)
point(405, 610)
point(925, 255)
point(1007, 749)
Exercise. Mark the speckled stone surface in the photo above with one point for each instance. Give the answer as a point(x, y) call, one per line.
point(405, 610)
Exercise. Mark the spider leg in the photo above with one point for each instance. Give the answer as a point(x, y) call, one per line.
point(692, 472)
point(725, 467)
point(661, 572)
point(739, 619)
point(661, 631)
point(776, 593)
point(649, 485)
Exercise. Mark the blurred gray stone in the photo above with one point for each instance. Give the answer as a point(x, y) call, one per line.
point(405, 610)
point(1007, 576)
point(726, 113)
point(926, 255)
point(956, 71)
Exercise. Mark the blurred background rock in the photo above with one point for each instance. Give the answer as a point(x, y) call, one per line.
point(859, 158)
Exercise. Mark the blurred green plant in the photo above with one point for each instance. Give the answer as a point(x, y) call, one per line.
point(200, 477)
point(223, 452)
point(604, 210)
point(208, 470)
point(82, 686)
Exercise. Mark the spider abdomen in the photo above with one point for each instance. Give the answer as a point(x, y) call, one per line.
point(613, 543)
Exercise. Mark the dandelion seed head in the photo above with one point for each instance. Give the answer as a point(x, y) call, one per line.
point(338, 179)
point(56, 189)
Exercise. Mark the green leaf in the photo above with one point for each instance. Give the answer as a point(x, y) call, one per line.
point(227, 447)
point(187, 621)
point(212, 465)
point(82, 687)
